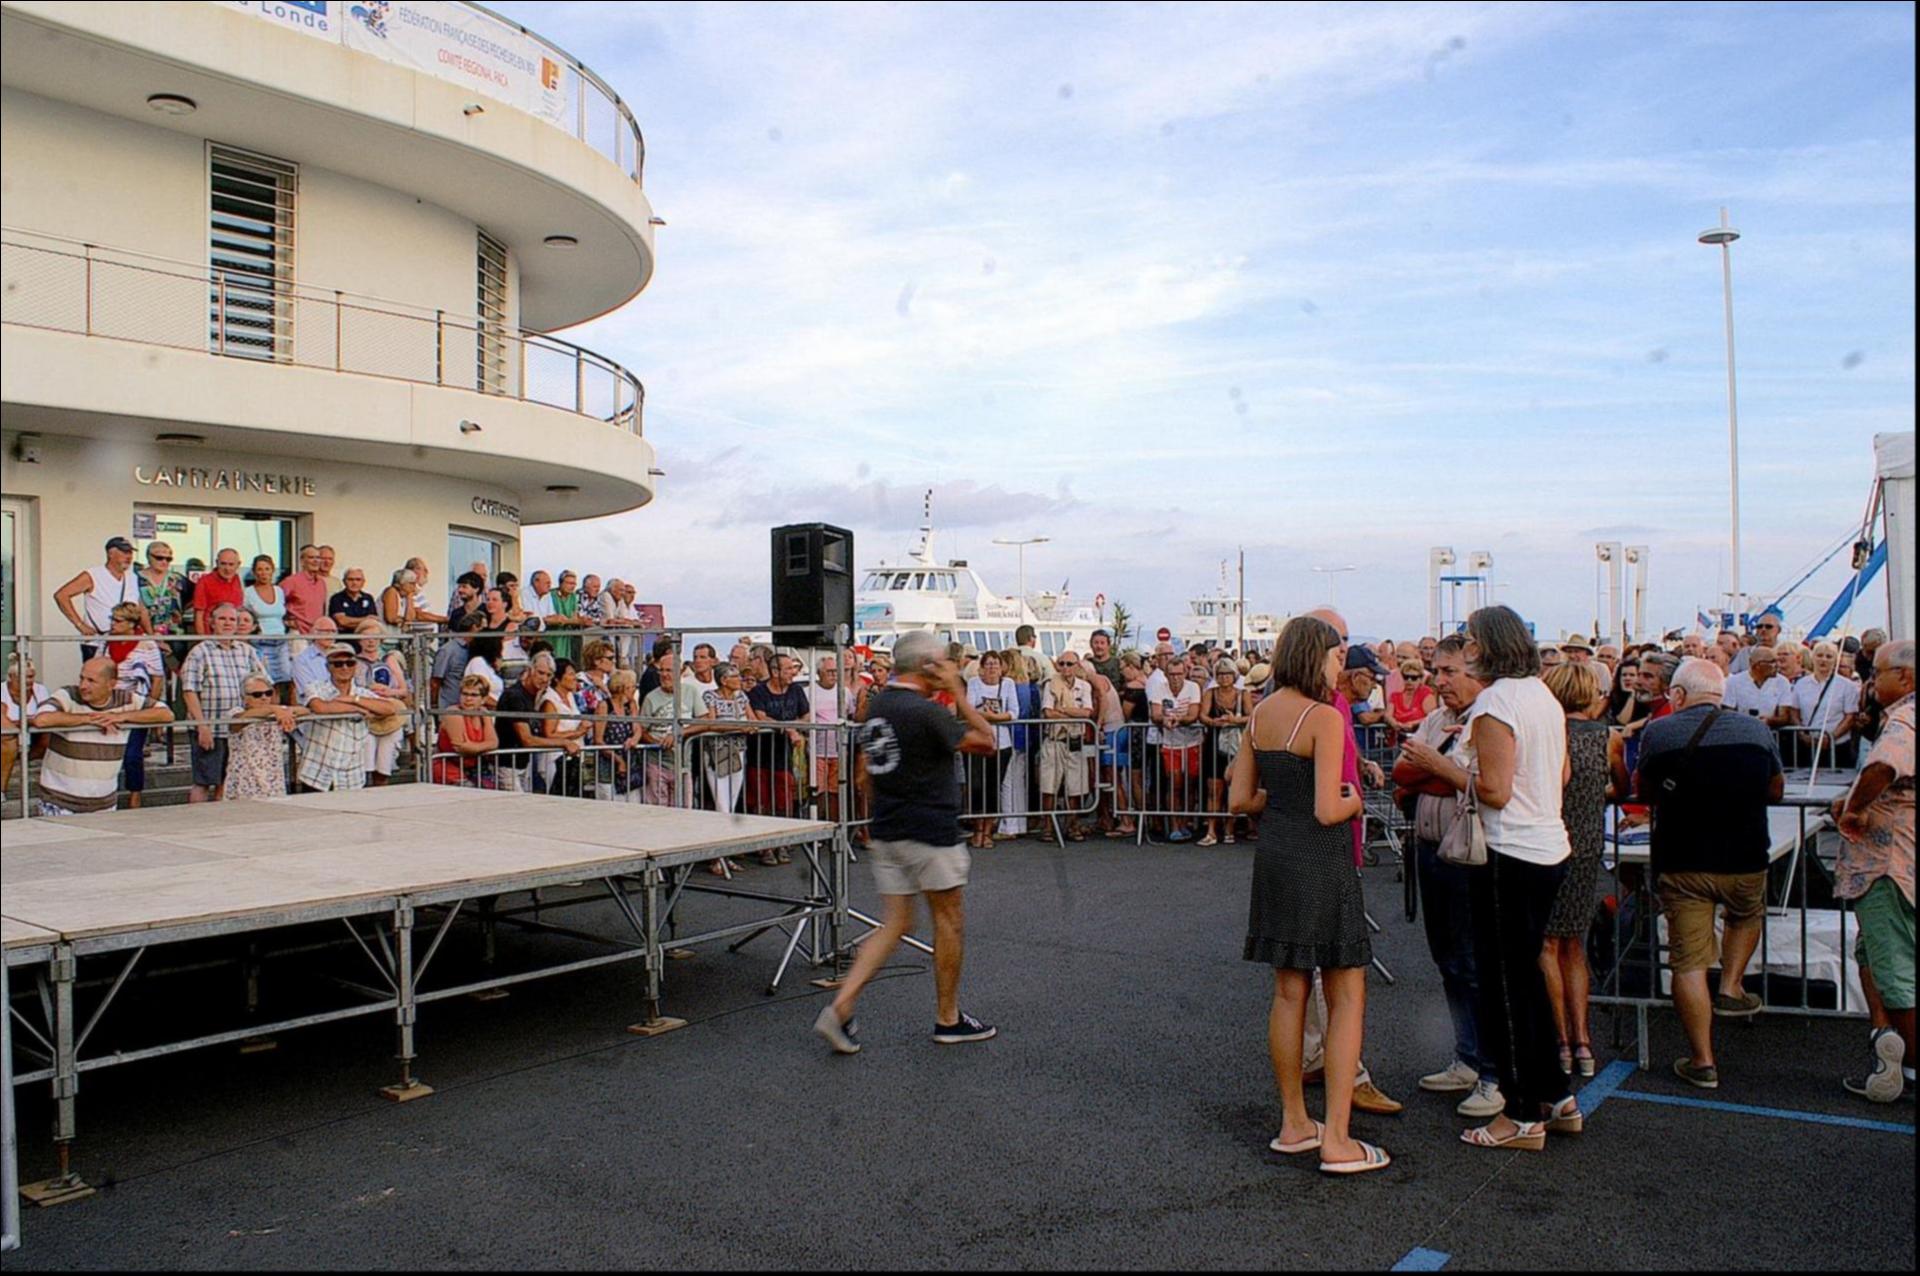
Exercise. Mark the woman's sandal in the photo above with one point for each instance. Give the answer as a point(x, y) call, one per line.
point(1371, 1158)
point(769, 858)
point(1566, 1058)
point(1583, 1060)
point(1208, 840)
point(1566, 1117)
point(1527, 1136)
point(1228, 839)
point(1309, 1144)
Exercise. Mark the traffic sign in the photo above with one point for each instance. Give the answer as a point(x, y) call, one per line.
point(1164, 634)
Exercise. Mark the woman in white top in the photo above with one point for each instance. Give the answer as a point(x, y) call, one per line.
point(1517, 755)
point(993, 695)
point(20, 698)
point(1827, 706)
point(565, 725)
point(483, 661)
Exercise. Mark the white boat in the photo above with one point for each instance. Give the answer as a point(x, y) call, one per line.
point(952, 600)
point(1215, 618)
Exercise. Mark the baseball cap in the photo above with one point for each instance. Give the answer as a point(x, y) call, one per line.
point(1361, 656)
point(120, 543)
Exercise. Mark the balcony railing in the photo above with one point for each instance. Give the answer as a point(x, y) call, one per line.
point(597, 116)
point(119, 295)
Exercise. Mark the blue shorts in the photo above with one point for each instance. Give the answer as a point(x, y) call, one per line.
point(1110, 754)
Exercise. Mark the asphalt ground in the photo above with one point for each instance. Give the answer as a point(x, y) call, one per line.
point(1119, 1121)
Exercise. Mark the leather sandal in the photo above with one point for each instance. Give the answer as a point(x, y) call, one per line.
point(1527, 1136)
point(1566, 1117)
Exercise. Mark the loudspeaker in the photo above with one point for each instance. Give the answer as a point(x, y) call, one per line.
point(812, 583)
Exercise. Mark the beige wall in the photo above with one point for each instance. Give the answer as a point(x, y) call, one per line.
point(103, 180)
point(82, 491)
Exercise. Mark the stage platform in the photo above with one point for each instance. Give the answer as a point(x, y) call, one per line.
point(396, 867)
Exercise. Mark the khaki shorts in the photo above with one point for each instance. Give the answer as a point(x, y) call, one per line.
point(909, 868)
point(1688, 900)
point(1062, 768)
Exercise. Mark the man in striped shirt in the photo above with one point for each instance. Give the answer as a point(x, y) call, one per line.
point(81, 774)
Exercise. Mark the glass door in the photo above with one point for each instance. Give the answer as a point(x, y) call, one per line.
point(256, 534)
point(200, 534)
point(17, 575)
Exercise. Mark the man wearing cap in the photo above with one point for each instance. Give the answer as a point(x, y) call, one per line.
point(101, 589)
point(1360, 683)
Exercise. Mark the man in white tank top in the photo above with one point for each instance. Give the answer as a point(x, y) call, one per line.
point(99, 590)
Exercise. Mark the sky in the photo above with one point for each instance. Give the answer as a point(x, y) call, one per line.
point(1330, 283)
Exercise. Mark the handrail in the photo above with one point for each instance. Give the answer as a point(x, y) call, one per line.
point(589, 77)
point(89, 289)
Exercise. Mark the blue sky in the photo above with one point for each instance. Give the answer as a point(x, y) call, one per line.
point(1336, 283)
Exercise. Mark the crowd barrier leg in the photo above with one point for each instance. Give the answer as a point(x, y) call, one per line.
point(9, 1139)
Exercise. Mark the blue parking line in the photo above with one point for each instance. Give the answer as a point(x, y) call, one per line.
point(1421, 1259)
point(1785, 1114)
point(1611, 1078)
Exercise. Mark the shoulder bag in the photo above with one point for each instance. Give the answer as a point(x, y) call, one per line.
point(1465, 841)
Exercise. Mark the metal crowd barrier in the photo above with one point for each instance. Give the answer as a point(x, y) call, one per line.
point(1806, 937)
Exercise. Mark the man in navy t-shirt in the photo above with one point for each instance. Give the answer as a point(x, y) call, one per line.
point(909, 742)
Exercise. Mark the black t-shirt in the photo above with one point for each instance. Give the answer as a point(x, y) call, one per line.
point(345, 604)
point(909, 743)
point(649, 682)
point(770, 748)
point(1710, 813)
point(515, 699)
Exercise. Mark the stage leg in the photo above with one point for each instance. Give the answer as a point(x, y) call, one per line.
point(655, 1023)
point(409, 1087)
point(65, 1185)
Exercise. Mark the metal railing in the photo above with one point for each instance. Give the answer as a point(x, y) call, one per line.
point(600, 117)
point(65, 286)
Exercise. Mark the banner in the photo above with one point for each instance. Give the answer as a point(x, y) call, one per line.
point(462, 46)
point(319, 18)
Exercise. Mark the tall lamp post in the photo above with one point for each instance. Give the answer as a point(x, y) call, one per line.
point(1723, 236)
point(1333, 581)
point(1021, 546)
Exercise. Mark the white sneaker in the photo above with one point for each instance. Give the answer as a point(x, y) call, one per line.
point(1485, 1101)
point(1451, 1079)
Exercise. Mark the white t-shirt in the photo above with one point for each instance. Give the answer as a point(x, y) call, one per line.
point(824, 705)
point(1760, 701)
point(494, 684)
point(107, 593)
point(1189, 694)
point(1822, 705)
point(1529, 827)
point(1001, 698)
point(1156, 692)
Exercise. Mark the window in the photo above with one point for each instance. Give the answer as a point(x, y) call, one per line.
point(464, 549)
point(919, 580)
point(490, 309)
point(250, 203)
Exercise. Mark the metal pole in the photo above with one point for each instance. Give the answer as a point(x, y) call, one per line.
point(405, 1010)
point(87, 250)
point(339, 356)
point(1733, 426)
point(439, 347)
point(9, 1140)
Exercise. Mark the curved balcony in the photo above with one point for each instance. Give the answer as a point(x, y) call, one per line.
point(532, 397)
point(548, 153)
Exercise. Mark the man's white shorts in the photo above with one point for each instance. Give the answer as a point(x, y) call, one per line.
point(908, 868)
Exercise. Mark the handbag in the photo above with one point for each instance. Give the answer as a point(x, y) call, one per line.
point(1465, 842)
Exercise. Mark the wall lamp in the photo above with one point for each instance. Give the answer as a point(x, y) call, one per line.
point(469, 427)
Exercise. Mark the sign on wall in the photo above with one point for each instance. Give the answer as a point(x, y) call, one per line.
point(312, 17)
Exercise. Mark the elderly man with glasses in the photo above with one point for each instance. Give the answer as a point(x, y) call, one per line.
point(1766, 633)
point(334, 756)
point(1760, 691)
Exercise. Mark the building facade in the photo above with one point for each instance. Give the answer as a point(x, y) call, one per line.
point(278, 273)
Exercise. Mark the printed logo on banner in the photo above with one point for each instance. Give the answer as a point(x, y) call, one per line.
point(549, 75)
point(315, 17)
point(373, 14)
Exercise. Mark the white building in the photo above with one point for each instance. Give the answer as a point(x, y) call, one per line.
point(284, 272)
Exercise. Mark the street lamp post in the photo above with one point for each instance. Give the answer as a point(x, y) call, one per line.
point(1021, 547)
point(1723, 236)
point(1333, 581)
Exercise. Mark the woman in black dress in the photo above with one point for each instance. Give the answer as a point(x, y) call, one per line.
point(1307, 911)
point(1583, 808)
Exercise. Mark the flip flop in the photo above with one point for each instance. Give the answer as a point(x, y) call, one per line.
point(1371, 1158)
point(1310, 1144)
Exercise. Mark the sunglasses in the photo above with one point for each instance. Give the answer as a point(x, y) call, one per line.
point(159, 558)
point(259, 695)
point(341, 664)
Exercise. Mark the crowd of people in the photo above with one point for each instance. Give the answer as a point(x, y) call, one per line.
point(1501, 755)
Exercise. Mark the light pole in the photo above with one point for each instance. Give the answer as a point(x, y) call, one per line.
point(1333, 581)
point(1723, 235)
point(1021, 546)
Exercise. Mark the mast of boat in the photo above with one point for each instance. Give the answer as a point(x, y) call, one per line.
point(1241, 645)
point(923, 551)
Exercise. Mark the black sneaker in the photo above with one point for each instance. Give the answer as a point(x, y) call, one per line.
point(843, 1037)
point(968, 1029)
